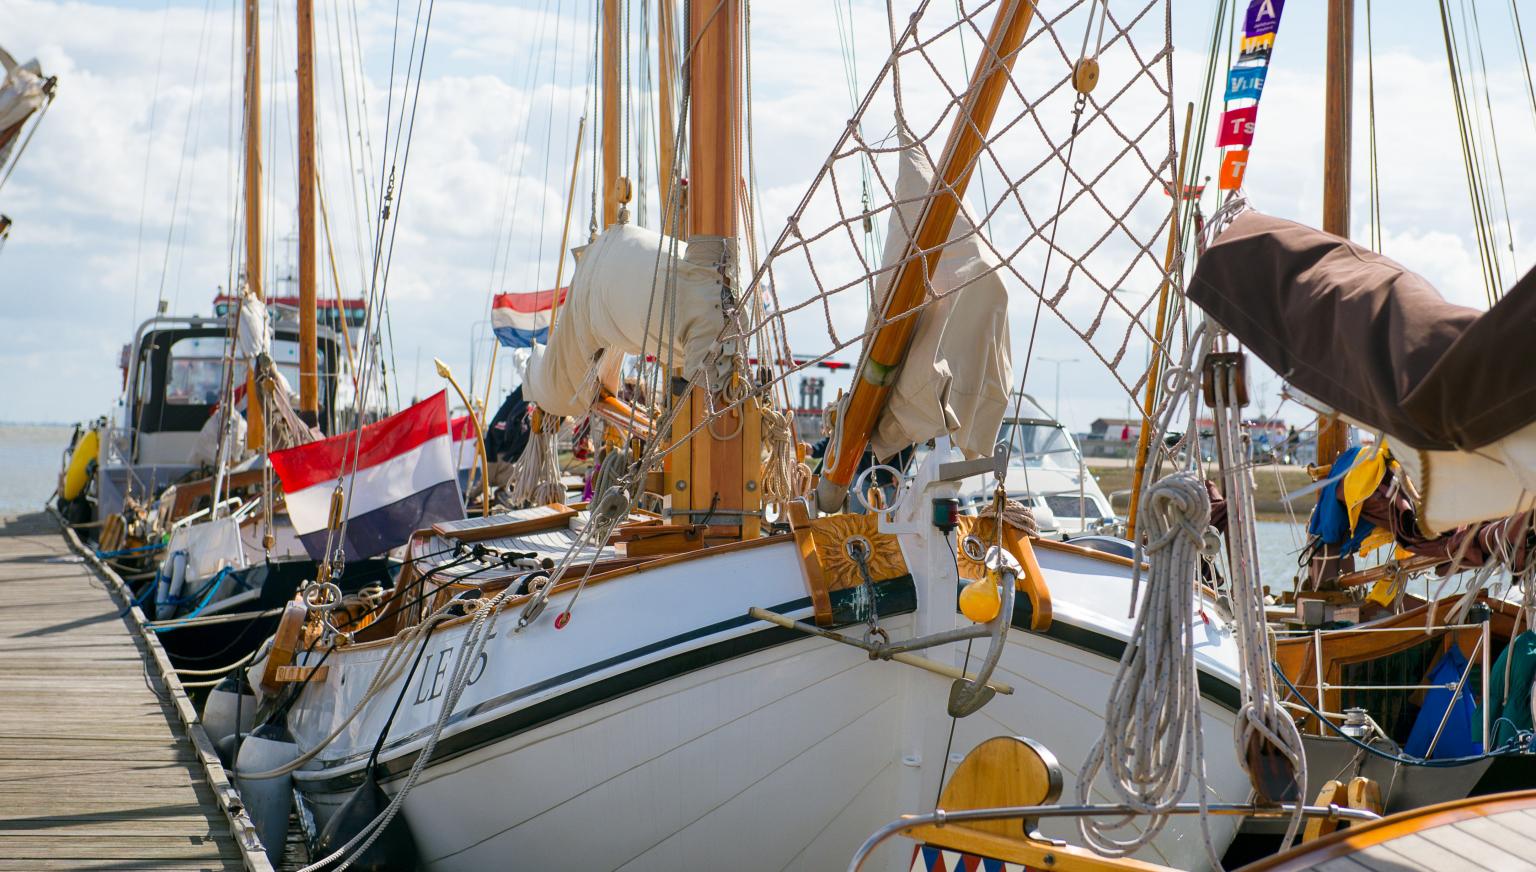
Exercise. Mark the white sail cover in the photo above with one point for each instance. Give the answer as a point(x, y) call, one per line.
point(22, 92)
point(956, 374)
point(255, 330)
point(1464, 487)
point(619, 287)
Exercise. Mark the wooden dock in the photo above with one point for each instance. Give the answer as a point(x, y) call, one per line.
point(99, 768)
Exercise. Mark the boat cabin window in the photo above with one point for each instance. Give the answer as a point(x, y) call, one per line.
point(1036, 445)
point(196, 369)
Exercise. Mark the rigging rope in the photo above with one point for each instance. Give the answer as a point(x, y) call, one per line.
point(1262, 719)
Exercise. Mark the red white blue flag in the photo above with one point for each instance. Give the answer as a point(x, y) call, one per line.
point(466, 448)
point(522, 319)
point(405, 481)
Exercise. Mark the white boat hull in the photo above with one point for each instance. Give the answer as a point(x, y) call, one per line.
point(749, 747)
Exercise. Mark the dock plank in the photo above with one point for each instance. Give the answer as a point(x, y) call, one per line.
point(95, 770)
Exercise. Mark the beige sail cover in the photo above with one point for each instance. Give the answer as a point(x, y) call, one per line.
point(22, 92)
point(619, 287)
point(956, 374)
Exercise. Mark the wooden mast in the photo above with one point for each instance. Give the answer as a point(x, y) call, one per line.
point(1333, 434)
point(254, 438)
point(713, 477)
point(666, 128)
point(891, 341)
point(615, 185)
point(309, 376)
point(1154, 365)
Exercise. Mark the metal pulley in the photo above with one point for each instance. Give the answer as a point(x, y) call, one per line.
point(1085, 75)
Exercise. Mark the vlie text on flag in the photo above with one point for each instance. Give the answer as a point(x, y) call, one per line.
point(404, 480)
point(522, 319)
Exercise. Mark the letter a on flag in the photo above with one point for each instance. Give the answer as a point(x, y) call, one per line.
point(1237, 127)
point(1263, 17)
point(1233, 166)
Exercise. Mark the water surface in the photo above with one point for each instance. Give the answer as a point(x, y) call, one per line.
point(30, 457)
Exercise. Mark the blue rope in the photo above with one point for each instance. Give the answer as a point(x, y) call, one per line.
point(124, 552)
point(211, 587)
point(1513, 747)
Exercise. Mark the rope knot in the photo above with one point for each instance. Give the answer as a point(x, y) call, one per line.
point(1015, 514)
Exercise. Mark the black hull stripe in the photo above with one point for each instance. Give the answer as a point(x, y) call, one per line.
point(1212, 687)
point(896, 596)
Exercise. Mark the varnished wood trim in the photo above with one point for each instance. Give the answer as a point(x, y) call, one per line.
point(574, 579)
point(1033, 855)
point(810, 562)
point(1080, 551)
point(1363, 836)
point(559, 516)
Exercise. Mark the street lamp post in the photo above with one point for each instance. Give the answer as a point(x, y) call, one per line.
point(1058, 361)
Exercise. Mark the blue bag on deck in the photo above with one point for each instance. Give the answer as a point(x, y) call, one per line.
point(1460, 736)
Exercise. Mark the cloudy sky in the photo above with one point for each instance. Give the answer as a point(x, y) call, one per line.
point(127, 194)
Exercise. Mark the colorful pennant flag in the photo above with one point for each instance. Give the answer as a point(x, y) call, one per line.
point(1256, 49)
point(1237, 126)
point(1245, 84)
point(1233, 165)
point(519, 320)
point(1263, 17)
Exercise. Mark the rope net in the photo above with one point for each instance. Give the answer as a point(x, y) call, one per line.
point(1067, 196)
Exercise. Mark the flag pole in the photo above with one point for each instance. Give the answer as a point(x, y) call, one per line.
point(474, 420)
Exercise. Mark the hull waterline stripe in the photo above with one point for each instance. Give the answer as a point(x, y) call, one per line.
point(898, 597)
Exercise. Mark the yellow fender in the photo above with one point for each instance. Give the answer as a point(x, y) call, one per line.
point(77, 473)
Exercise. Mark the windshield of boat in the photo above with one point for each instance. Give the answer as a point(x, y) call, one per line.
point(197, 368)
point(1036, 445)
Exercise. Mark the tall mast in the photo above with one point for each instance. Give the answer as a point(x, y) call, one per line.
point(666, 67)
point(714, 118)
point(309, 377)
point(890, 343)
point(1332, 434)
point(711, 478)
point(615, 186)
point(253, 197)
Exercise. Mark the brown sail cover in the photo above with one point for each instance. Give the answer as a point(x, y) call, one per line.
point(1370, 339)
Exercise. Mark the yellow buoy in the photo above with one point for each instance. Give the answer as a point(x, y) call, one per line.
point(77, 473)
point(980, 600)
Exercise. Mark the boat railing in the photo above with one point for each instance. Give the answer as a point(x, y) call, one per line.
point(940, 818)
point(1479, 655)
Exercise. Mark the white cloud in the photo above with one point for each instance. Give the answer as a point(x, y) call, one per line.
point(69, 269)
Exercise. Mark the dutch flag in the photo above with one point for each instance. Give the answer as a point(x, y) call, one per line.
point(466, 448)
point(405, 481)
point(522, 319)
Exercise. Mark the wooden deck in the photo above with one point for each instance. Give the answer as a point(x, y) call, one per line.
point(97, 770)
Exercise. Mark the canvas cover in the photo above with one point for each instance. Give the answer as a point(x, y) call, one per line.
point(22, 92)
point(956, 375)
point(618, 289)
point(1372, 340)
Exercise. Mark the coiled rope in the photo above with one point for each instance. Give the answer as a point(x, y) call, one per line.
point(785, 476)
point(1152, 741)
point(1015, 514)
point(535, 478)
